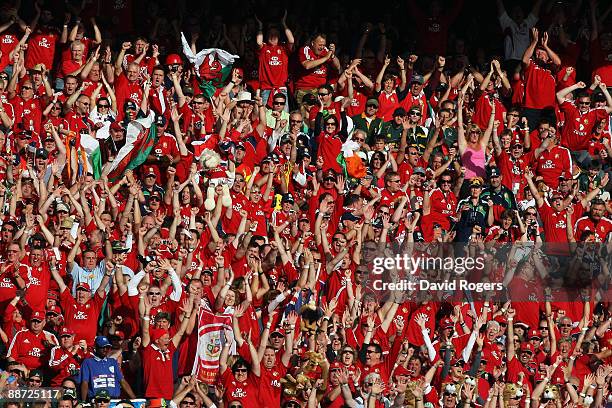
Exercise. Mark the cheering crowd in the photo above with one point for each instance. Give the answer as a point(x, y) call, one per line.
point(192, 204)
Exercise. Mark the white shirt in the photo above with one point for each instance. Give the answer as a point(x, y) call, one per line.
point(517, 42)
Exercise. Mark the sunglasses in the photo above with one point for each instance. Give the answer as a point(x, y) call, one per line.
point(103, 106)
point(240, 370)
point(359, 139)
point(279, 102)
point(188, 402)
point(154, 293)
point(295, 121)
point(154, 199)
point(322, 94)
point(415, 113)
point(371, 106)
point(543, 328)
point(446, 182)
point(331, 124)
point(27, 87)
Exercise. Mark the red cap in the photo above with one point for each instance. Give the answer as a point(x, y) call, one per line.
point(533, 333)
point(335, 366)
point(501, 319)
point(52, 295)
point(118, 333)
point(116, 126)
point(54, 309)
point(157, 333)
point(527, 347)
point(150, 171)
point(446, 323)
point(66, 331)
point(83, 285)
point(156, 403)
point(38, 315)
point(401, 370)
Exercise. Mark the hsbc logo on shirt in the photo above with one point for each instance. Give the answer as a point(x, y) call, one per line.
point(44, 43)
point(80, 315)
point(548, 164)
point(35, 352)
point(6, 283)
point(7, 40)
point(239, 393)
point(275, 61)
point(237, 207)
point(134, 96)
point(561, 224)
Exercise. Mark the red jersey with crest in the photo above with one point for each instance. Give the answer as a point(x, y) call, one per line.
point(246, 391)
point(29, 348)
point(8, 42)
point(539, 87)
point(62, 364)
point(83, 319)
point(387, 103)
point(578, 127)
point(157, 371)
point(311, 78)
point(41, 48)
point(273, 64)
point(601, 228)
point(552, 163)
point(270, 385)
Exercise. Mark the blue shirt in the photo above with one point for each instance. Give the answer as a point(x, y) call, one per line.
point(101, 374)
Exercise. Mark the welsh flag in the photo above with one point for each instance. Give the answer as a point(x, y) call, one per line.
point(140, 137)
point(213, 66)
point(91, 147)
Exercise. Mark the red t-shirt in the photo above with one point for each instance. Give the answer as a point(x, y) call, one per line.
point(29, 348)
point(41, 48)
point(578, 127)
point(273, 65)
point(270, 385)
point(329, 149)
point(157, 371)
point(246, 392)
point(539, 87)
point(552, 163)
point(311, 78)
point(8, 42)
point(83, 319)
point(387, 103)
point(601, 229)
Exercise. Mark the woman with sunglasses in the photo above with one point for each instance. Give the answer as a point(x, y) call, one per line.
point(329, 142)
point(473, 148)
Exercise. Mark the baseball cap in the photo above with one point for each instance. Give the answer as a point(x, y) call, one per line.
point(533, 334)
point(372, 101)
point(418, 170)
point(476, 182)
point(240, 146)
point(157, 403)
point(66, 331)
point(102, 341)
point(401, 371)
point(84, 286)
point(62, 206)
point(118, 334)
point(447, 323)
point(41, 153)
point(521, 324)
point(494, 172)
point(129, 104)
point(119, 248)
point(102, 395)
point(399, 112)
point(335, 366)
point(38, 315)
point(418, 79)
point(116, 126)
point(150, 171)
point(348, 216)
point(288, 198)
point(188, 91)
point(527, 347)
point(54, 310)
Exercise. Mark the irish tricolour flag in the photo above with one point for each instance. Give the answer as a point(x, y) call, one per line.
point(140, 137)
